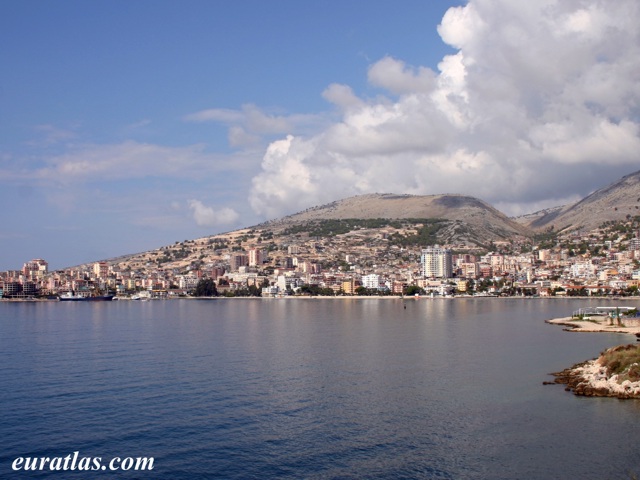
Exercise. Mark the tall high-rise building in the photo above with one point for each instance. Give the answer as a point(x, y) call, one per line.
point(101, 269)
point(238, 260)
point(436, 262)
point(256, 256)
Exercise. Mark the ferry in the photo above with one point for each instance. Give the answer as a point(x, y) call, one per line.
point(72, 297)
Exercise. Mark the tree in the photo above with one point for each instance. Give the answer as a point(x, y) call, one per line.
point(206, 288)
point(414, 290)
point(254, 291)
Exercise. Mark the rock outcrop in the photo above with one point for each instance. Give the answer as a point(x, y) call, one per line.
point(613, 374)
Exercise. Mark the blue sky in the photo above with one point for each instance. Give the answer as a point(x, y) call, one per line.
point(129, 125)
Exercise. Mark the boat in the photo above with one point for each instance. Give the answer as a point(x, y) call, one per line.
point(73, 297)
point(143, 296)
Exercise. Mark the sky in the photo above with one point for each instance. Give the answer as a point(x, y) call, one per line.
point(130, 125)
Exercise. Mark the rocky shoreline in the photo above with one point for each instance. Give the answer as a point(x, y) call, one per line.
point(615, 373)
point(594, 378)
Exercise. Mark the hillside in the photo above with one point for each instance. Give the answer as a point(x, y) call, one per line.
point(376, 221)
point(411, 221)
point(615, 202)
point(464, 219)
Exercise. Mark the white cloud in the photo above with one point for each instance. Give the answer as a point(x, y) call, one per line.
point(395, 76)
point(541, 101)
point(209, 217)
point(128, 160)
point(341, 96)
point(140, 182)
point(239, 137)
point(250, 124)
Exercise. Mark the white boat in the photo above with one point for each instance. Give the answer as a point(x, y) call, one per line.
point(73, 297)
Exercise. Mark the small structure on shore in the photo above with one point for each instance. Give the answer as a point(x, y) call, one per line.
point(614, 313)
point(601, 311)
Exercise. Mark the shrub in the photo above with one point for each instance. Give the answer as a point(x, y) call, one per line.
point(623, 360)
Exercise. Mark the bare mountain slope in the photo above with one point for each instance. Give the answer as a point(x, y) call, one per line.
point(529, 218)
point(613, 202)
point(468, 219)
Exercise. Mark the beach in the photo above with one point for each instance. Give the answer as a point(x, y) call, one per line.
point(599, 324)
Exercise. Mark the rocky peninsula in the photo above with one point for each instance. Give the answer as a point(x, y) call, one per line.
point(615, 373)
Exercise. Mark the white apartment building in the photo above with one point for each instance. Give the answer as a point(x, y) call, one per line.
point(371, 281)
point(187, 282)
point(583, 270)
point(436, 262)
point(284, 281)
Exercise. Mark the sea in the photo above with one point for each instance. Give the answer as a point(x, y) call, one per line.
point(356, 388)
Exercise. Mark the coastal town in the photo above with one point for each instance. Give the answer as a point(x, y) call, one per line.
point(381, 257)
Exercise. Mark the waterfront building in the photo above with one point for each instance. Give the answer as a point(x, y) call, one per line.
point(349, 286)
point(284, 281)
point(187, 282)
point(461, 285)
point(436, 262)
point(371, 281)
point(397, 287)
point(270, 291)
point(12, 288)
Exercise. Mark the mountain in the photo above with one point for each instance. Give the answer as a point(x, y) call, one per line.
point(615, 202)
point(529, 218)
point(463, 219)
point(403, 220)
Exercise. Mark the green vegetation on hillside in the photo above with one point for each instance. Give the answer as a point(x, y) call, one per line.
point(426, 233)
point(426, 229)
point(546, 239)
point(623, 361)
point(333, 227)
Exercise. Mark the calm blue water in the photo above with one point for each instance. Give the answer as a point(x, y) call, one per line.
point(362, 388)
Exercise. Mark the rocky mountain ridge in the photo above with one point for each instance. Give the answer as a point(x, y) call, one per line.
point(616, 202)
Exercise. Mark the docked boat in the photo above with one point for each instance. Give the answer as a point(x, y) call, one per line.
point(73, 297)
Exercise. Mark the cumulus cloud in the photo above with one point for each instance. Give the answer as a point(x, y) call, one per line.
point(395, 76)
point(540, 103)
point(206, 216)
point(342, 96)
